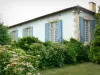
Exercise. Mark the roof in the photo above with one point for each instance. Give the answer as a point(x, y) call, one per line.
point(66, 9)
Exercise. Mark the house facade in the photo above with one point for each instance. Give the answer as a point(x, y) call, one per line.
point(74, 22)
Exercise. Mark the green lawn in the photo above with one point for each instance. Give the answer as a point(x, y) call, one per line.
point(79, 69)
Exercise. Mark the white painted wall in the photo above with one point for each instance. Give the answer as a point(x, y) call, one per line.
point(68, 27)
point(39, 25)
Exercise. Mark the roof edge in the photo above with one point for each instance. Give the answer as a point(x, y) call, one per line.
point(77, 7)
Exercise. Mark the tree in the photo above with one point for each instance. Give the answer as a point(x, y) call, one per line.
point(99, 9)
point(94, 54)
point(4, 36)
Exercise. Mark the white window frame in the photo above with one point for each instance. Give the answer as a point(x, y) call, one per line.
point(53, 31)
point(86, 31)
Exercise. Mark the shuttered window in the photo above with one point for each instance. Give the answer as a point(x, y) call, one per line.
point(53, 31)
point(27, 32)
point(15, 35)
point(86, 29)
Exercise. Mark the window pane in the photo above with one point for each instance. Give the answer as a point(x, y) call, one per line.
point(53, 32)
point(86, 30)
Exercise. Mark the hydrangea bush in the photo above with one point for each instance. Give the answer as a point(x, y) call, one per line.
point(17, 62)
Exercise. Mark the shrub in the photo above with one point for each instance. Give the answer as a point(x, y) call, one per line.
point(24, 43)
point(80, 50)
point(56, 55)
point(4, 59)
point(65, 42)
point(52, 54)
point(14, 44)
point(69, 54)
point(77, 51)
point(86, 53)
point(37, 49)
point(16, 62)
point(47, 44)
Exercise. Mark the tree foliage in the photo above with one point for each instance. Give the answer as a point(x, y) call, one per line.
point(4, 36)
point(95, 45)
point(99, 9)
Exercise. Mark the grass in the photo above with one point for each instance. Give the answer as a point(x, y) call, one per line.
point(79, 69)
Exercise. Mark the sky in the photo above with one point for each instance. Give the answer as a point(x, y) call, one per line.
point(17, 11)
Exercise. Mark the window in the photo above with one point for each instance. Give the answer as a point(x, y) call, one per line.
point(86, 30)
point(27, 32)
point(15, 35)
point(53, 31)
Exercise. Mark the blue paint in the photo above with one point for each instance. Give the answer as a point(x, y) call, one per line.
point(92, 27)
point(46, 32)
point(31, 31)
point(60, 31)
point(81, 21)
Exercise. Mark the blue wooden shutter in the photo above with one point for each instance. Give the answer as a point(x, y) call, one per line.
point(46, 32)
point(23, 33)
point(81, 21)
point(92, 27)
point(16, 35)
point(60, 31)
point(31, 31)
